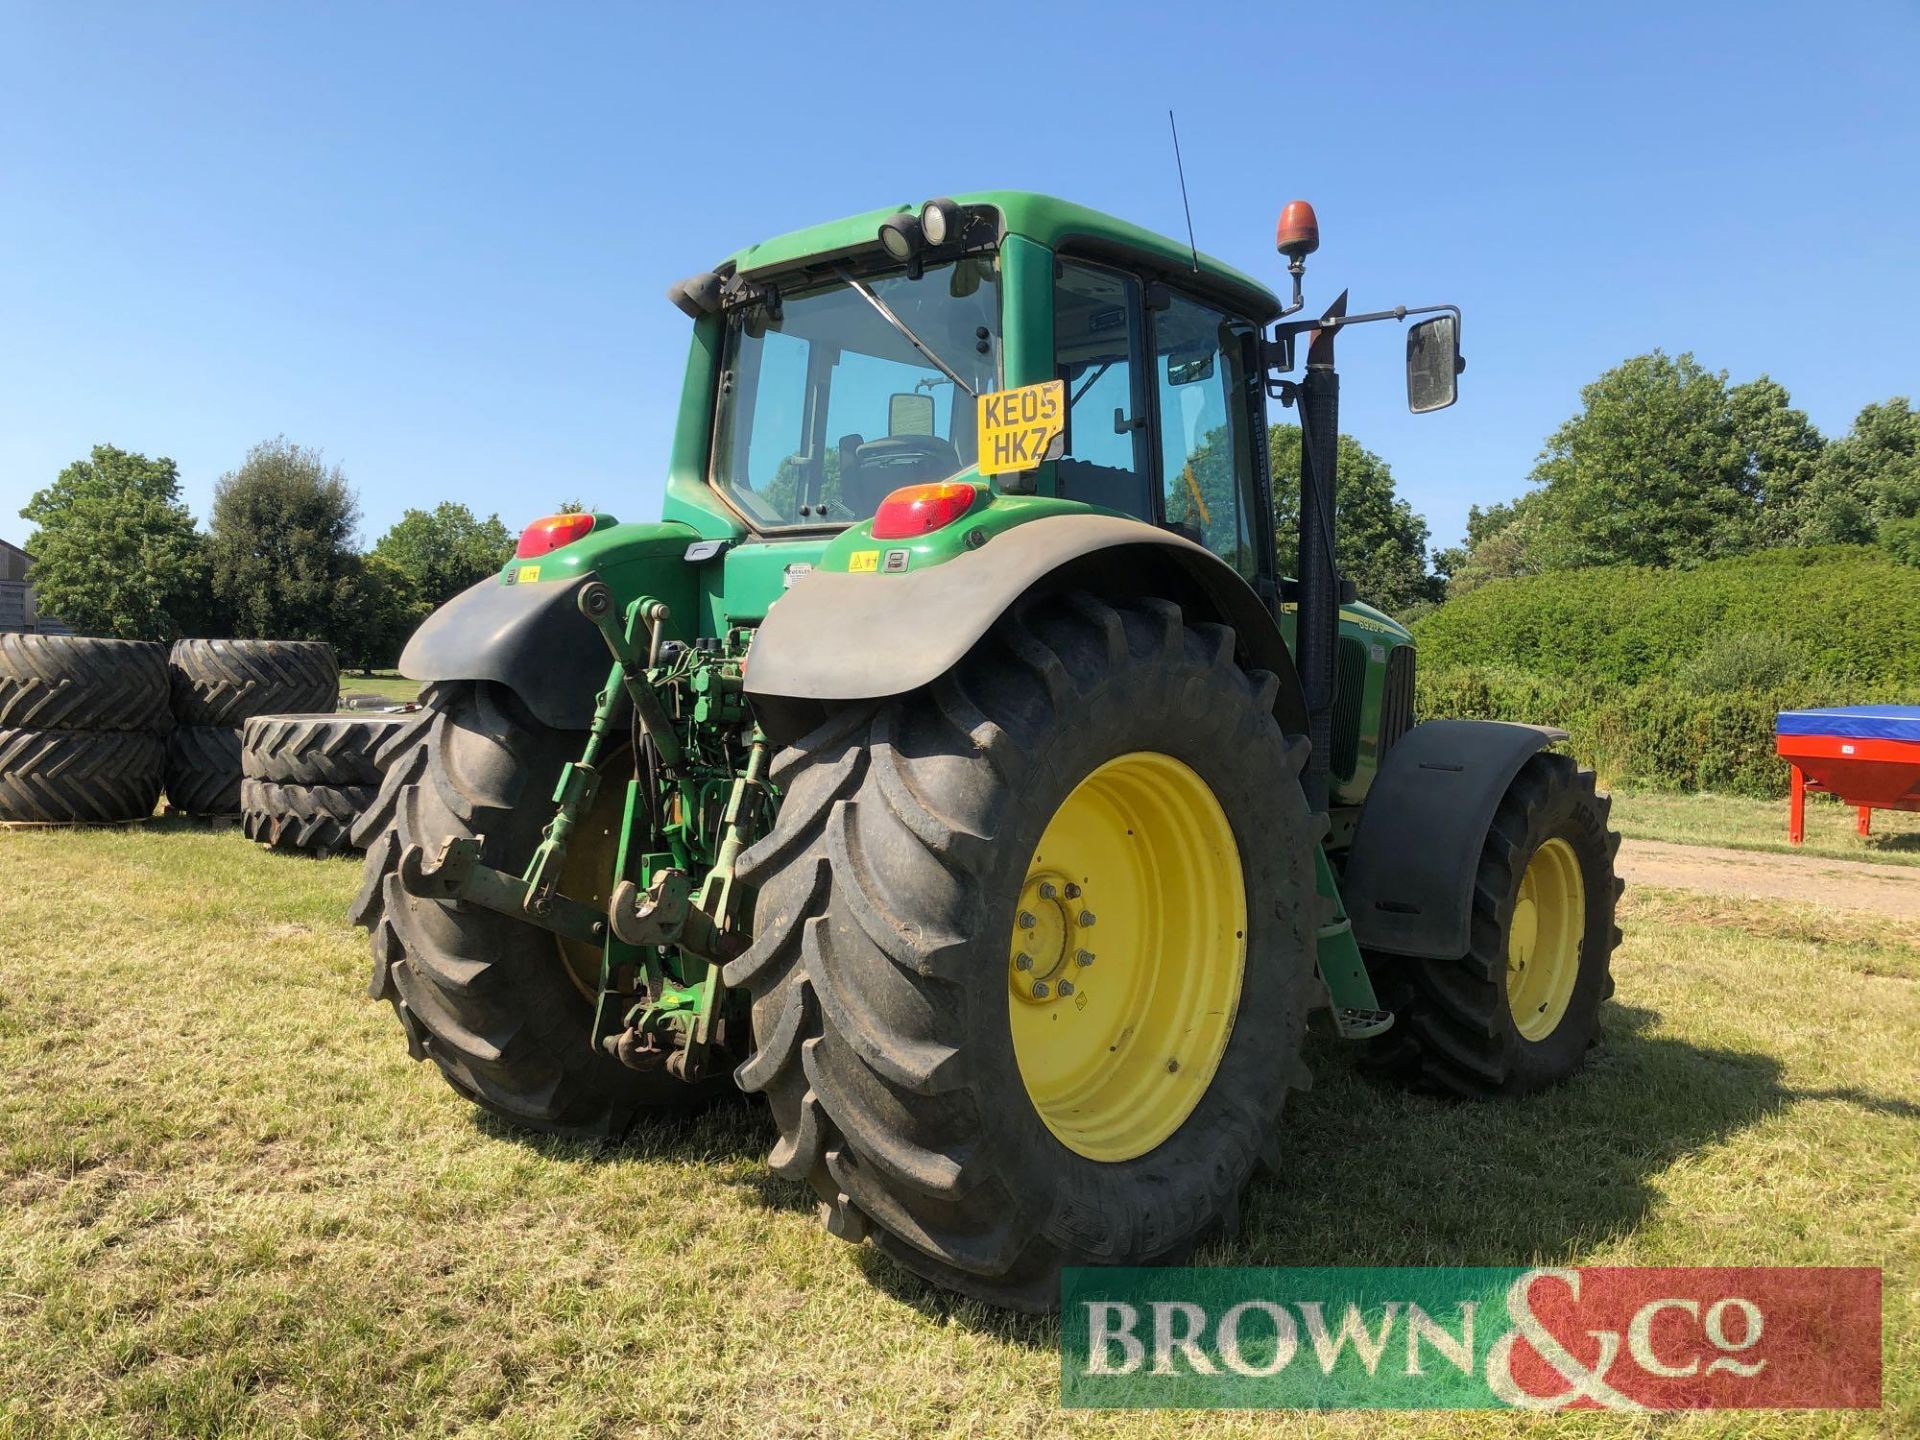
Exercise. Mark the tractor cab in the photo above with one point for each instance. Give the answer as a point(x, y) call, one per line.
point(848, 361)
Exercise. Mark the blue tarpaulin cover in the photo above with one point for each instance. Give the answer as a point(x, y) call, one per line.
point(1853, 722)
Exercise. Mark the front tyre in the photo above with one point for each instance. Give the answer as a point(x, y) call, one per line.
point(1520, 1010)
point(1033, 948)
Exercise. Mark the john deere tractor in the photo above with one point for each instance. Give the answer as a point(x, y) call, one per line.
point(952, 764)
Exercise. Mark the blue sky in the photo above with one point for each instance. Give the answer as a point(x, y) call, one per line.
point(433, 240)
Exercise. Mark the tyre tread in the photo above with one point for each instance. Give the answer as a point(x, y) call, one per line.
point(73, 682)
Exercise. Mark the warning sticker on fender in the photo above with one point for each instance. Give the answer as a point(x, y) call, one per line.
point(1020, 428)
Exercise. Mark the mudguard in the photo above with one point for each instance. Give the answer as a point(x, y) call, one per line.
point(840, 637)
point(529, 637)
point(1408, 881)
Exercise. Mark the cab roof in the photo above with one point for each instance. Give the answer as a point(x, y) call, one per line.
point(1060, 225)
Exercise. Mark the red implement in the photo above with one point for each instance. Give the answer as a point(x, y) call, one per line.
point(1867, 755)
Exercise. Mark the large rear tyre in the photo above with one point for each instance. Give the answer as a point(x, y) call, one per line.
point(1033, 949)
point(501, 1007)
point(315, 749)
point(315, 818)
point(203, 770)
point(224, 682)
point(52, 777)
point(1520, 1010)
point(69, 682)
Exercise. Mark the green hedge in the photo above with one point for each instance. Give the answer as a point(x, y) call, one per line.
point(1849, 613)
point(1652, 736)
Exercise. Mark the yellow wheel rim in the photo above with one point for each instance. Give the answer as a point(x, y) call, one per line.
point(1129, 944)
point(1543, 940)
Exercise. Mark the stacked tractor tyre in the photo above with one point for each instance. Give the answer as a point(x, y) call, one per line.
point(83, 727)
point(307, 778)
point(217, 686)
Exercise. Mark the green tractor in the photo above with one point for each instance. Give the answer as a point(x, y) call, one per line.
point(953, 766)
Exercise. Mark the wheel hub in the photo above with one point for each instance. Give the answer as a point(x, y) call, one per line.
point(1052, 939)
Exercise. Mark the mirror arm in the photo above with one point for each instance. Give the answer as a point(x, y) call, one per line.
point(1340, 322)
point(1277, 349)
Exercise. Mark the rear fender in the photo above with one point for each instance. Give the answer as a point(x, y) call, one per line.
point(530, 638)
point(523, 628)
point(838, 638)
point(1408, 880)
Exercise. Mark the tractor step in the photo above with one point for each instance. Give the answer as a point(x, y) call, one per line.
point(1362, 1024)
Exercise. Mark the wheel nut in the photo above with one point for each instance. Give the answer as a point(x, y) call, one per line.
point(1086, 917)
point(1083, 957)
point(1066, 987)
point(1039, 989)
point(1027, 922)
point(1024, 961)
point(1073, 891)
point(1047, 892)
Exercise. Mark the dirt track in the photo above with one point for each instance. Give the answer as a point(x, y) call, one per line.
point(1758, 875)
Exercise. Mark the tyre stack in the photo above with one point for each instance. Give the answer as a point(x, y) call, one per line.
point(83, 726)
point(218, 685)
point(309, 777)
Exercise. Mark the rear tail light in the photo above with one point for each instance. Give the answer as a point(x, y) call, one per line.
point(921, 509)
point(550, 532)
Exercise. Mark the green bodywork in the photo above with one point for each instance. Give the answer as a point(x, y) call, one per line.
point(717, 797)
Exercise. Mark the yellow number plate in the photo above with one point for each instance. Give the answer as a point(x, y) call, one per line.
point(529, 572)
point(1020, 428)
point(863, 561)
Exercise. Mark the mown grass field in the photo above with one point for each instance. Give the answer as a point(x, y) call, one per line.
point(1743, 824)
point(229, 1203)
point(389, 683)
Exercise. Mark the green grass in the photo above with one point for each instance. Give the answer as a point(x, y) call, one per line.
point(1762, 825)
point(228, 1202)
point(382, 682)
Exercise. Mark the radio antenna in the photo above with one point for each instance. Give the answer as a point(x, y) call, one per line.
point(1182, 169)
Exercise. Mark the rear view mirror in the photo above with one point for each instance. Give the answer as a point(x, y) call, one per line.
point(1433, 363)
point(910, 414)
point(1186, 369)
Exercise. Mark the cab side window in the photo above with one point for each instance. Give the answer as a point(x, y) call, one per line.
point(1099, 352)
point(1207, 472)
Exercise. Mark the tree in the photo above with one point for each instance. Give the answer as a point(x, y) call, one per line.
point(1868, 477)
point(1499, 546)
point(1901, 539)
point(116, 552)
point(379, 607)
point(1667, 465)
point(444, 550)
point(1646, 474)
point(1783, 452)
point(281, 548)
point(1380, 540)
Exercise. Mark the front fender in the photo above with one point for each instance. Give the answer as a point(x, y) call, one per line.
point(1408, 881)
point(835, 638)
